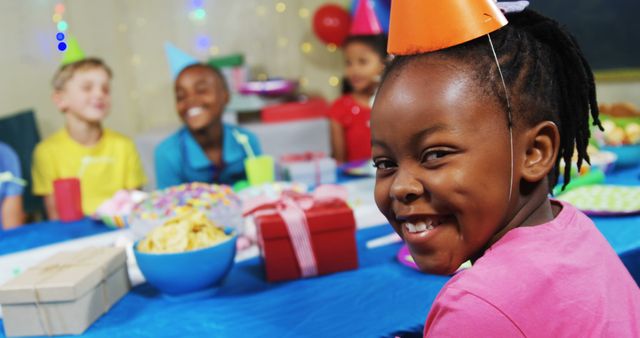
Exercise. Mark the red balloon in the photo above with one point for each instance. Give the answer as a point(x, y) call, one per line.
point(331, 24)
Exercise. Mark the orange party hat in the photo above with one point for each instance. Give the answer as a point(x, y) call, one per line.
point(420, 26)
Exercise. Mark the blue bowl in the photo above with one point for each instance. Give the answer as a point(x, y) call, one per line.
point(177, 274)
point(628, 155)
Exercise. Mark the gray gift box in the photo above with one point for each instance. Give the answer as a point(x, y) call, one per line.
point(65, 293)
point(312, 172)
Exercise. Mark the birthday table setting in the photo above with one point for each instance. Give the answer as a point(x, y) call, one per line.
point(234, 214)
point(298, 249)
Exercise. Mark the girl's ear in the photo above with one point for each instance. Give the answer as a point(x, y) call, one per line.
point(542, 142)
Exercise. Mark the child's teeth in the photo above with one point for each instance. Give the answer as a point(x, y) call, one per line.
point(410, 227)
point(419, 227)
point(194, 111)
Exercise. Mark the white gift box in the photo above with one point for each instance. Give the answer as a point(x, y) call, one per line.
point(311, 169)
point(65, 293)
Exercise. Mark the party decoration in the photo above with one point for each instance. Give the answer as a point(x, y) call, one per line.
point(232, 60)
point(365, 21)
point(177, 59)
point(381, 8)
point(73, 52)
point(61, 25)
point(197, 13)
point(424, 26)
point(331, 24)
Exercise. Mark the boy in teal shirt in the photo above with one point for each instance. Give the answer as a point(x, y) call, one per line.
point(204, 149)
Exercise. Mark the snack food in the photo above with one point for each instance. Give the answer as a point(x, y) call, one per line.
point(619, 109)
point(617, 135)
point(190, 230)
point(217, 202)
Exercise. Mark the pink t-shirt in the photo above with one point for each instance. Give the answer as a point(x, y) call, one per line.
point(558, 279)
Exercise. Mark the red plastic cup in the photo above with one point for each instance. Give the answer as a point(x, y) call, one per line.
point(68, 199)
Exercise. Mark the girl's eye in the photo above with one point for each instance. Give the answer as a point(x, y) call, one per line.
point(433, 155)
point(383, 164)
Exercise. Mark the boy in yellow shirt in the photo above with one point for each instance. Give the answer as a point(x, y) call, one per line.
point(104, 161)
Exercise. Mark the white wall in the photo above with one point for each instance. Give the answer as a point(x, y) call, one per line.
point(610, 92)
point(129, 35)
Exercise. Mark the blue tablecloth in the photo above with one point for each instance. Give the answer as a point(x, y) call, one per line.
point(379, 298)
point(39, 234)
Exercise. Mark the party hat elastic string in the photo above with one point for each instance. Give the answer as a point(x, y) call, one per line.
point(509, 118)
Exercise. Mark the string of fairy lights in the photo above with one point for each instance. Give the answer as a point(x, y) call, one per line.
point(61, 25)
point(203, 43)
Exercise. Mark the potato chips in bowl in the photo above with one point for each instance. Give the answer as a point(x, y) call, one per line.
point(191, 230)
point(189, 253)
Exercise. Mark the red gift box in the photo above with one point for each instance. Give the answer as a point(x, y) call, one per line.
point(332, 237)
point(291, 111)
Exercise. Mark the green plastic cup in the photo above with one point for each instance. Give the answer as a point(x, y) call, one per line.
point(260, 169)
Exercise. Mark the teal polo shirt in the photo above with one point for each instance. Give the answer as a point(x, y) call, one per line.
point(180, 159)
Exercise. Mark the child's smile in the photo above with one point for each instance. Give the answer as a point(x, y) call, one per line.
point(441, 149)
point(200, 97)
point(86, 95)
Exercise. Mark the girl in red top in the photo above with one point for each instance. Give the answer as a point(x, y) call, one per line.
point(365, 57)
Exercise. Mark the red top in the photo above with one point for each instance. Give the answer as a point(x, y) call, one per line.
point(354, 119)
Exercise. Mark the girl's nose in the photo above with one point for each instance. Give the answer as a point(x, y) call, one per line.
point(405, 187)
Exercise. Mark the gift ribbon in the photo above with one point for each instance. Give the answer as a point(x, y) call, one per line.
point(298, 228)
point(51, 270)
point(306, 156)
point(291, 207)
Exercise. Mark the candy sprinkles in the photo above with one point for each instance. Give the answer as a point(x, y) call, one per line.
point(212, 199)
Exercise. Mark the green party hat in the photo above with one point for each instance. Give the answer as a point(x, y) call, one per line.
point(73, 52)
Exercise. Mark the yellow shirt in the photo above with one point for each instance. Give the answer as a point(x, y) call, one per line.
point(103, 169)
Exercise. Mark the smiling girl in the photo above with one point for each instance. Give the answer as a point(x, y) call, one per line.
point(466, 144)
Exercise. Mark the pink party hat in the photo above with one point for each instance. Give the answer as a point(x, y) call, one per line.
point(365, 21)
